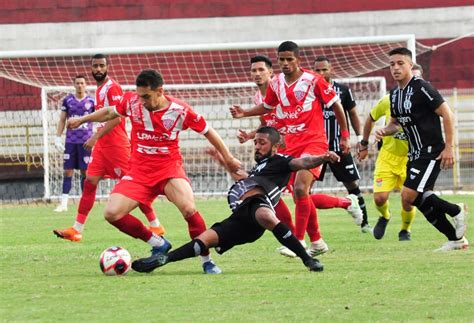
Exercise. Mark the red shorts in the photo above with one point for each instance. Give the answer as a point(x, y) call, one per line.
point(109, 162)
point(303, 151)
point(145, 187)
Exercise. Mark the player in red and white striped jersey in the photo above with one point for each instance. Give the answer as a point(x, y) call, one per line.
point(300, 93)
point(110, 154)
point(156, 165)
point(261, 73)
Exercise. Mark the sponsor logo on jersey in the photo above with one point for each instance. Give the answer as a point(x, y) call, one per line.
point(292, 129)
point(400, 135)
point(404, 120)
point(127, 178)
point(292, 114)
point(148, 136)
point(328, 113)
point(116, 97)
point(151, 150)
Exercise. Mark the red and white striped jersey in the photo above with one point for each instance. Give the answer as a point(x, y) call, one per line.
point(301, 105)
point(155, 134)
point(271, 118)
point(110, 94)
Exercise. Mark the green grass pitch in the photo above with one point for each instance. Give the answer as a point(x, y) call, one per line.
point(44, 278)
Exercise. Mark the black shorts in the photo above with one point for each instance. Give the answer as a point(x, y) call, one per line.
point(241, 226)
point(422, 174)
point(344, 171)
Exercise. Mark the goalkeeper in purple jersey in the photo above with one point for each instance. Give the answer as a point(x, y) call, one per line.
point(75, 155)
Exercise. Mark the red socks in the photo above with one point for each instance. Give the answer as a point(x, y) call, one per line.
point(148, 211)
point(87, 201)
point(284, 215)
point(323, 201)
point(196, 224)
point(313, 226)
point(133, 227)
point(302, 212)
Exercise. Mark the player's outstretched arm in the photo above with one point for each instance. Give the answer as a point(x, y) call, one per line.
point(447, 155)
point(231, 162)
point(104, 114)
point(217, 157)
point(244, 136)
point(238, 112)
point(313, 161)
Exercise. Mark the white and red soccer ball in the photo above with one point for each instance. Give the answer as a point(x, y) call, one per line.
point(115, 261)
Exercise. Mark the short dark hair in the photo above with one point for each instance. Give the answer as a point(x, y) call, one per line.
point(261, 58)
point(417, 67)
point(99, 56)
point(273, 134)
point(401, 51)
point(150, 78)
point(79, 76)
point(289, 46)
point(322, 58)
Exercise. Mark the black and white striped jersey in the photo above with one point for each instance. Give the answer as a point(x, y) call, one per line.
point(414, 108)
point(333, 130)
point(271, 174)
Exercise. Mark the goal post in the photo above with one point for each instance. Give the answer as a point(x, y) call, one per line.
point(210, 77)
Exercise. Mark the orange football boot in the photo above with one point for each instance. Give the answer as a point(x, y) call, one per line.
point(68, 234)
point(160, 230)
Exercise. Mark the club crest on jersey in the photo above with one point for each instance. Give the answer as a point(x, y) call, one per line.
point(299, 95)
point(86, 159)
point(118, 171)
point(168, 123)
point(260, 167)
point(407, 101)
point(88, 105)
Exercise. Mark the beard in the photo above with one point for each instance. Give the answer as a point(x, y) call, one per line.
point(258, 157)
point(99, 77)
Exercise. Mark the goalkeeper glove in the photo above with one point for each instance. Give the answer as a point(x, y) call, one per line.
point(58, 142)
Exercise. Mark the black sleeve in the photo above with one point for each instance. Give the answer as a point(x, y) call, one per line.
point(431, 96)
point(284, 162)
point(348, 102)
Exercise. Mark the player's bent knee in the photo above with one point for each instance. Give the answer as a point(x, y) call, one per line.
point(381, 199)
point(112, 214)
point(266, 218)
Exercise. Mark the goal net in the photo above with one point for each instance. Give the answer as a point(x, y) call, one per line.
point(209, 77)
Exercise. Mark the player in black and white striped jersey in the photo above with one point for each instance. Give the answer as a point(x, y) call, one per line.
point(345, 171)
point(417, 106)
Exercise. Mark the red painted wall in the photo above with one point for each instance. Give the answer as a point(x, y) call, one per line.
point(37, 11)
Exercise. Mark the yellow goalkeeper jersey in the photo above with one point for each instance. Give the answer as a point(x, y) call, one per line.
point(396, 144)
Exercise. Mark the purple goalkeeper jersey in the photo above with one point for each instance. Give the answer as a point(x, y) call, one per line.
point(78, 108)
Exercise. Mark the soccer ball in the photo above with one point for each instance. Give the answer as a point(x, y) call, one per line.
point(115, 261)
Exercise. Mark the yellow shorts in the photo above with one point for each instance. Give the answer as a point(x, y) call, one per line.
point(390, 171)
